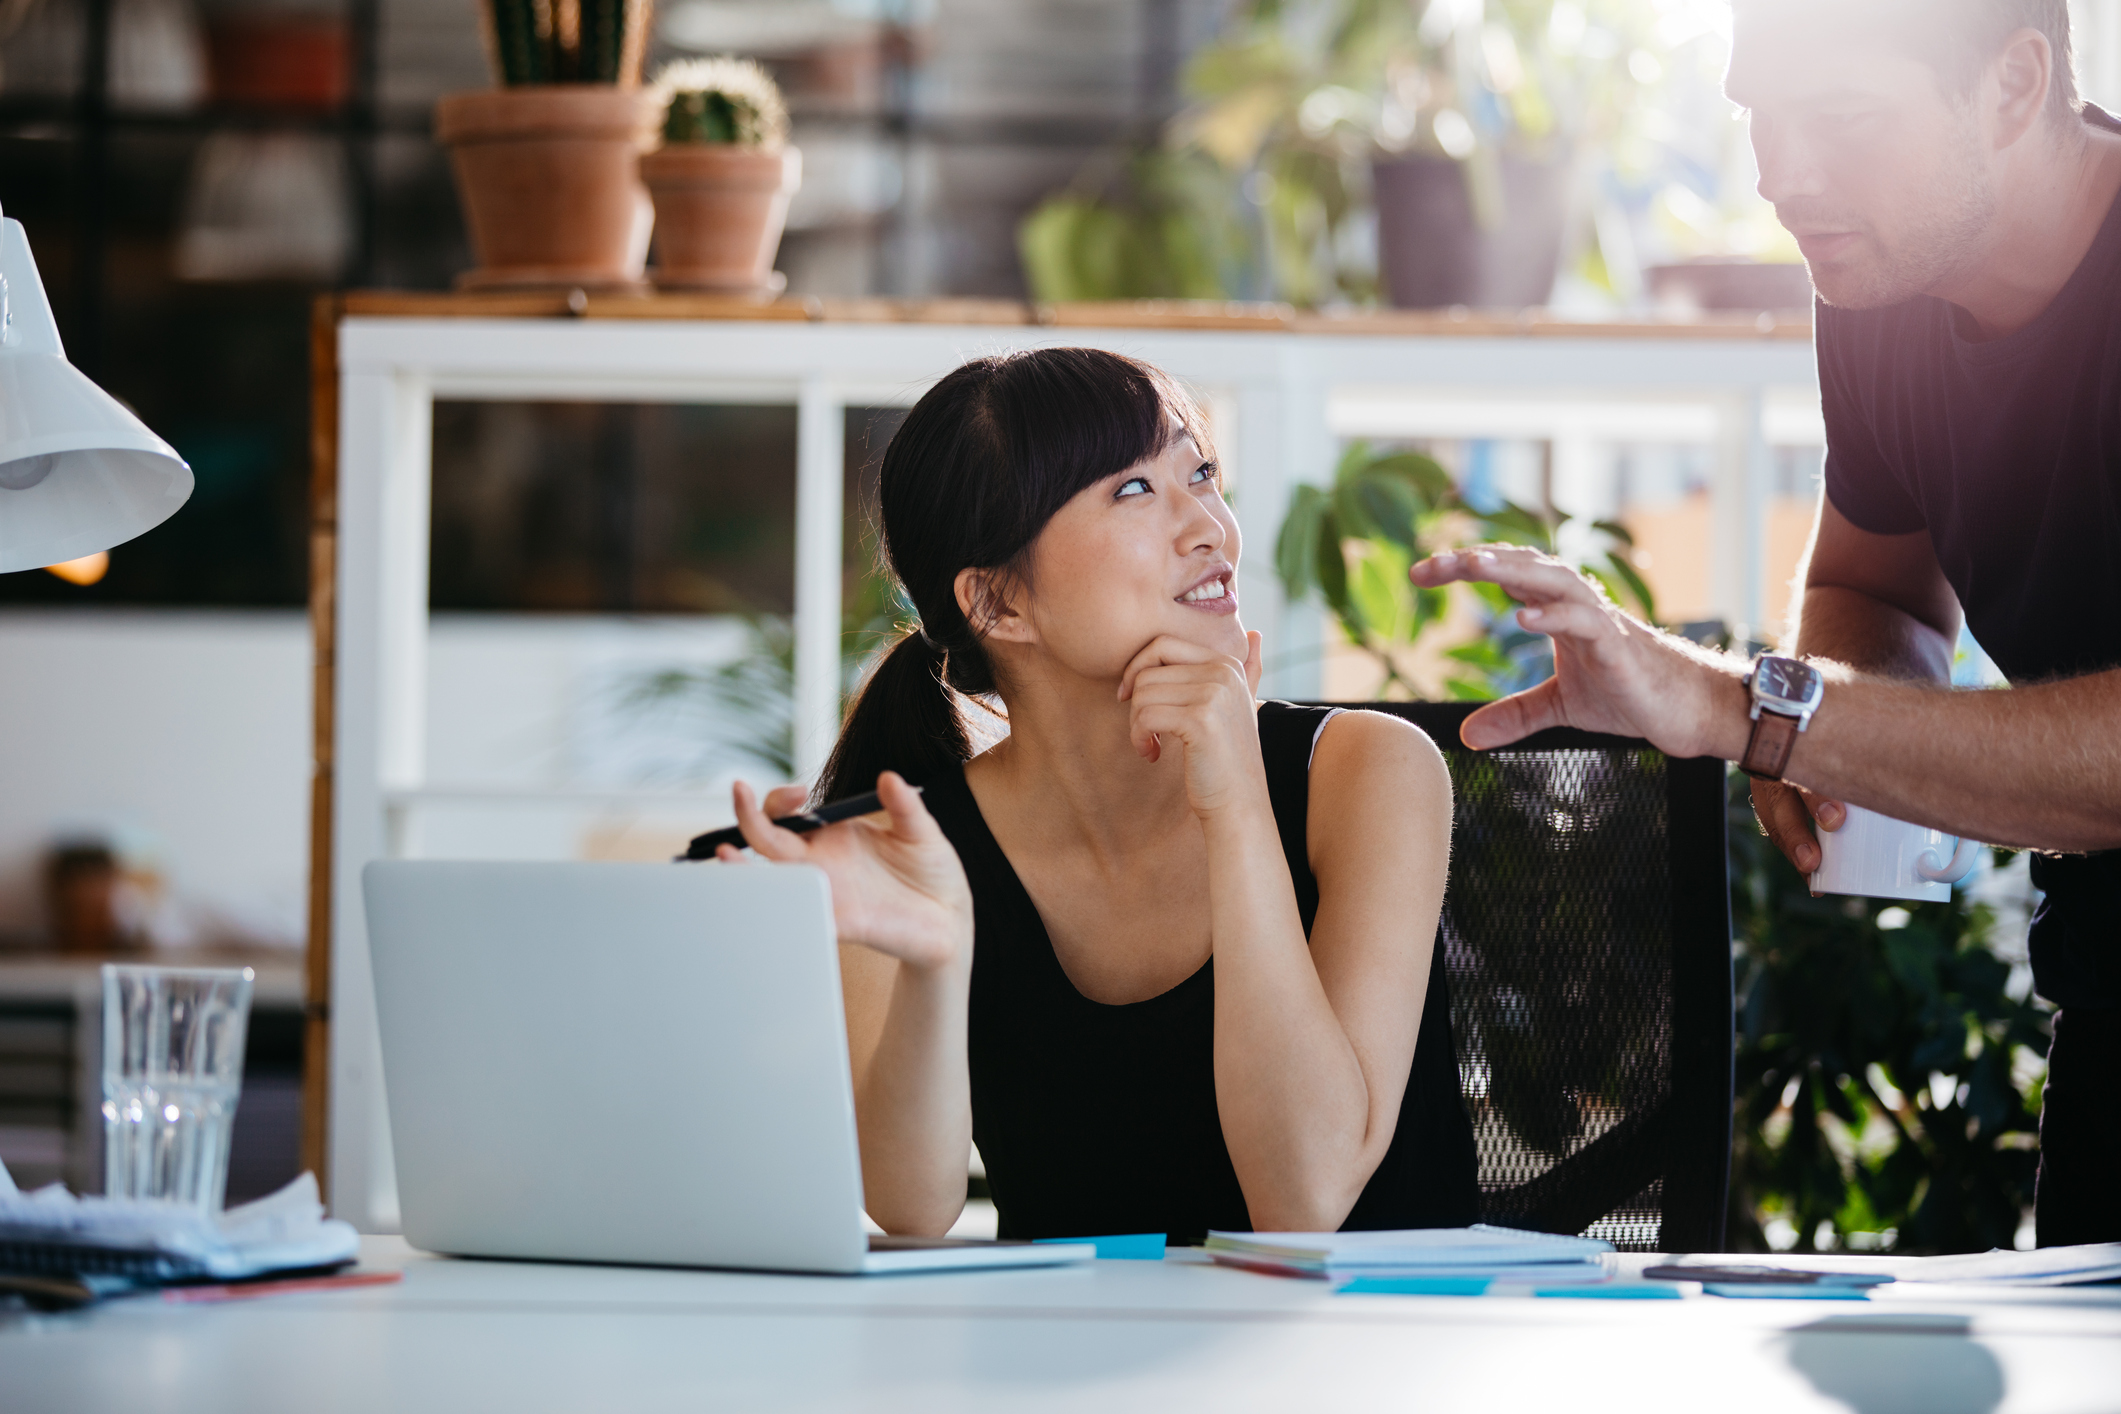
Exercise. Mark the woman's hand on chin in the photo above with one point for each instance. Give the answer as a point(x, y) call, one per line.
point(1201, 701)
point(897, 885)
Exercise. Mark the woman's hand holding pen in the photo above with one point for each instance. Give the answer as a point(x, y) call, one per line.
point(1200, 700)
point(897, 885)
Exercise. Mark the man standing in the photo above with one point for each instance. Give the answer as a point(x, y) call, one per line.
point(1958, 209)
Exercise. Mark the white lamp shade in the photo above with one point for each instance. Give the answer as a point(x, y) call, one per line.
point(78, 473)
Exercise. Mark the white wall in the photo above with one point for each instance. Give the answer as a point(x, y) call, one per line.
point(2095, 27)
point(183, 736)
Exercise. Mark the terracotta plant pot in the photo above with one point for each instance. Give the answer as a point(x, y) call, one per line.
point(719, 210)
point(550, 180)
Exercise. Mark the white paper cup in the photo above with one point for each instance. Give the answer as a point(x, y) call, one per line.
point(1876, 856)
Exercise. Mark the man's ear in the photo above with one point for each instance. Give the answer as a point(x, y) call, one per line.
point(2024, 71)
point(986, 599)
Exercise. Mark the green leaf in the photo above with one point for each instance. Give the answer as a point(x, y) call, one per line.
point(1353, 458)
point(1355, 521)
point(1391, 504)
point(1332, 563)
point(1518, 526)
point(1296, 548)
point(1424, 473)
point(1615, 529)
point(1379, 591)
point(1637, 589)
point(1470, 690)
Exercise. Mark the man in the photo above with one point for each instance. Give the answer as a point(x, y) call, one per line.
point(1957, 207)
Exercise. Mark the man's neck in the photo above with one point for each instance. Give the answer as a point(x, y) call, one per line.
point(2050, 211)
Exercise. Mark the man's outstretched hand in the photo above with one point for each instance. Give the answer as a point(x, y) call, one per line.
point(1612, 672)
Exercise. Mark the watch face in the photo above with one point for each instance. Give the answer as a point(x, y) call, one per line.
point(1786, 680)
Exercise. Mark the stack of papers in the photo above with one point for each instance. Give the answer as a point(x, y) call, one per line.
point(1470, 1254)
point(2048, 1266)
point(104, 1245)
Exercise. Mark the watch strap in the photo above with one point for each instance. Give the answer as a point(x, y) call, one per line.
point(1767, 752)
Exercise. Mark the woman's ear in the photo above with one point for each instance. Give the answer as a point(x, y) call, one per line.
point(984, 597)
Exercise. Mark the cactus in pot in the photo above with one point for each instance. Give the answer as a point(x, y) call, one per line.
point(547, 162)
point(722, 178)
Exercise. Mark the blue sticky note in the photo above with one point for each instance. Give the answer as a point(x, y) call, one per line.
point(1618, 1291)
point(1130, 1247)
point(1783, 1291)
point(1416, 1286)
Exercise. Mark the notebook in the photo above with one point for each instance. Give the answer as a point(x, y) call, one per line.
point(1469, 1252)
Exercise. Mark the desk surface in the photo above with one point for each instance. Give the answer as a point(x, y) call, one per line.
point(1111, 1337)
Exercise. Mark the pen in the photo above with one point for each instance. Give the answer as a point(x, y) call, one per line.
point(802, 823)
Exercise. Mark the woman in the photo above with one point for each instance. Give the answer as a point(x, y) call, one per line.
point(1165, 952)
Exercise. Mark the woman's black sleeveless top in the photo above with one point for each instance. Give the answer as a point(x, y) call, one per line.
point(1096, 1120)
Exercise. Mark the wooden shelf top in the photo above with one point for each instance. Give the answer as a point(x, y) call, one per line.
point(1137, 314)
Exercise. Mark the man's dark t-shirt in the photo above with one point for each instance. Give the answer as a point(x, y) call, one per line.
point(2008, 452)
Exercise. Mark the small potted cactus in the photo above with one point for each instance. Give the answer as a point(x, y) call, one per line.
point(722, 177)
point(548, 162)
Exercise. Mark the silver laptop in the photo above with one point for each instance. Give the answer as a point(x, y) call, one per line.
point(629, 1063)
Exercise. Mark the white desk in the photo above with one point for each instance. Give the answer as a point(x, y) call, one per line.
point(1112, 1338)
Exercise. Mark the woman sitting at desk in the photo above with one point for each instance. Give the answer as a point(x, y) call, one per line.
point(1164, 951)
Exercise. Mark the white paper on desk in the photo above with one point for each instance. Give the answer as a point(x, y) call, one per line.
point(284, 1231)
point(2045, 1266)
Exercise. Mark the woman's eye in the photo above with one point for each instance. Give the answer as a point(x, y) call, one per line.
point(1204, 472)
point(1133, 486)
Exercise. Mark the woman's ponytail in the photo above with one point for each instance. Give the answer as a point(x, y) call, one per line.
point(905, 720)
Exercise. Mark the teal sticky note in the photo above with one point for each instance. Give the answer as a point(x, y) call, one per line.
point(1416, 1286)
point(1129, 1247)
point(1617, 1291)
point(1783, 1291)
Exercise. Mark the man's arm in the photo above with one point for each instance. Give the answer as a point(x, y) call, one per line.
point(1879, 604)
point(2036, 767)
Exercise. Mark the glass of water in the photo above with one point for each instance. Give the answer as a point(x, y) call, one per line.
point(172, 1067)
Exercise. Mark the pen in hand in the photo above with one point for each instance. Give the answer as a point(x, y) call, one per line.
point(801, 823)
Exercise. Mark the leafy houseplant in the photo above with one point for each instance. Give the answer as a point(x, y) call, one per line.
point(1888, 1078)
point(1352, 543)
point(547, 162)
point(722, 178)
point(1390, 148)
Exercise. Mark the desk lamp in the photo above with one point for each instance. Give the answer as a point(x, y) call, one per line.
point(78, 473)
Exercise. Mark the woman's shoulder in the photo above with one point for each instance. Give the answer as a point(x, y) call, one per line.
point(1355, 734)
point(1375, 755)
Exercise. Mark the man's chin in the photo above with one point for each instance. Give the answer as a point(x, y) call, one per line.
point(1852, 286)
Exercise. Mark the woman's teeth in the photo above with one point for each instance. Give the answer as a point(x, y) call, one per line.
point(1213, 589)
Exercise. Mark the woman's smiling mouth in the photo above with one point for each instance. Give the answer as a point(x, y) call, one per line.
point(1216, 594)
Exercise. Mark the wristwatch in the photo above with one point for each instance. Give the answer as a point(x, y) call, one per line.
point(1785, 694)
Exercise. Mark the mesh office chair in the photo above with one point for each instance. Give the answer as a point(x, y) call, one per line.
point(1587, 933)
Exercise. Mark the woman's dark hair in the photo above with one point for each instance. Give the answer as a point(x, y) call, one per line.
point(979, 466)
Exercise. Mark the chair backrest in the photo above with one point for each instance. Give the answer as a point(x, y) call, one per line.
point(1587, 933)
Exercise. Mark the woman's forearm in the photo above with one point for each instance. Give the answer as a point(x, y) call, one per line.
point(913, 1101)
point(1290, 1089)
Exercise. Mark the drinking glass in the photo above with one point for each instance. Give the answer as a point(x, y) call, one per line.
point(172, 1068)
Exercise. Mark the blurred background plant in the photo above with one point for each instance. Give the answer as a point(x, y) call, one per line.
point(744, 705)
point(1323, 141)
point(1350, 545)
point(1890, 1061)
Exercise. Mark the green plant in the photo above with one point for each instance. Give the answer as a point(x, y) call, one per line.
point(566, 41)
point(1149, 224)
point(721, 100)
point(1351, 544)
point(1888, 1078)
point(1295, 99)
